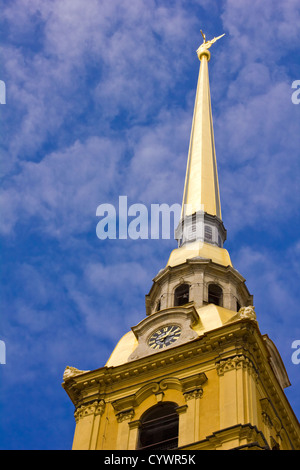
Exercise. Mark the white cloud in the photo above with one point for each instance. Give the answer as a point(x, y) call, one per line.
point(109, 298)
point(131, 49)
point(63, 190)
point(135, 54)
point(157, 169)
point(261, 29)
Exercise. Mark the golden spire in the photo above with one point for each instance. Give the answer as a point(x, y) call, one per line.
point(201, 190)
point(200, 232)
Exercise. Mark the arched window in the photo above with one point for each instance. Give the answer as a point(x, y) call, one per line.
point(181, 295)
point(215, 294)
point(159, 427)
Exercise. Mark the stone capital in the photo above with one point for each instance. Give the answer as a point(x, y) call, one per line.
point(95, 408)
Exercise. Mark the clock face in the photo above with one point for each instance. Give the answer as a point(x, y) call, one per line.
point(164, 337)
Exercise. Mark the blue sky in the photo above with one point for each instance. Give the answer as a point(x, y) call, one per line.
point(99, 102)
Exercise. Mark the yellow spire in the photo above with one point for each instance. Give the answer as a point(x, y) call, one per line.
point(201, 190)
point(200, 232)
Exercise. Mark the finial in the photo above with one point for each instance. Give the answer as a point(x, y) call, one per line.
point(203, 49)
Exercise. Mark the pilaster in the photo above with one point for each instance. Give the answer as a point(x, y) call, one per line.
point(237, 377)
point(88, 419)
point(123, 436)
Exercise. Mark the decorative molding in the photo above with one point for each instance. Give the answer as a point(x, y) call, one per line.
point(95, 408)
point(197, 393)
point(276, 363)
point(266, 419)
point(235, 363)
point(245, 436)
point(242, 335)
point(193, 382)
point(152, 388)
point(270, 417)
point(266, 412)
point(125, 415)
point(190, 387)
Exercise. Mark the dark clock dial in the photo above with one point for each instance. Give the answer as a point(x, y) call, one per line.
point(164, 337)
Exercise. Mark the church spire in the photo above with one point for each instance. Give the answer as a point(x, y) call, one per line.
point(201, 190)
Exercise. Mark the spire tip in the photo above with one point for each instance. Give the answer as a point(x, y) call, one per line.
point(203, 49)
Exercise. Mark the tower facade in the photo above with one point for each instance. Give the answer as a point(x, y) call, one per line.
point(196, 373)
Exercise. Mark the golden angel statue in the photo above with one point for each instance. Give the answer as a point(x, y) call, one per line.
point(207, 44)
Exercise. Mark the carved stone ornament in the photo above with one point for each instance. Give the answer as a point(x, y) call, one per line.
point(197, 393)
point(125, 415)
point(267, 420)
point(72, 372)
point(244, 313)
point(247, 312)
point(236, 362)
point(95, 408)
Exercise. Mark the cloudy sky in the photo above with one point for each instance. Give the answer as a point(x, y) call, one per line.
point(99, 102)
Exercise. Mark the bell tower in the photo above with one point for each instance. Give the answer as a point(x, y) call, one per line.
point(195, 373)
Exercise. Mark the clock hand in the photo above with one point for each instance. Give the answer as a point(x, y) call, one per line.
point(170, 332)
point(169, 335)
point(163, 336)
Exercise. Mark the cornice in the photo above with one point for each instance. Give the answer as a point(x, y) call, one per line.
point(238, 344)
point(207, 265)
point(207, 347)
point(240, 432)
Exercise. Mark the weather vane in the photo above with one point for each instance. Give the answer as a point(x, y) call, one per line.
point(207, 44)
